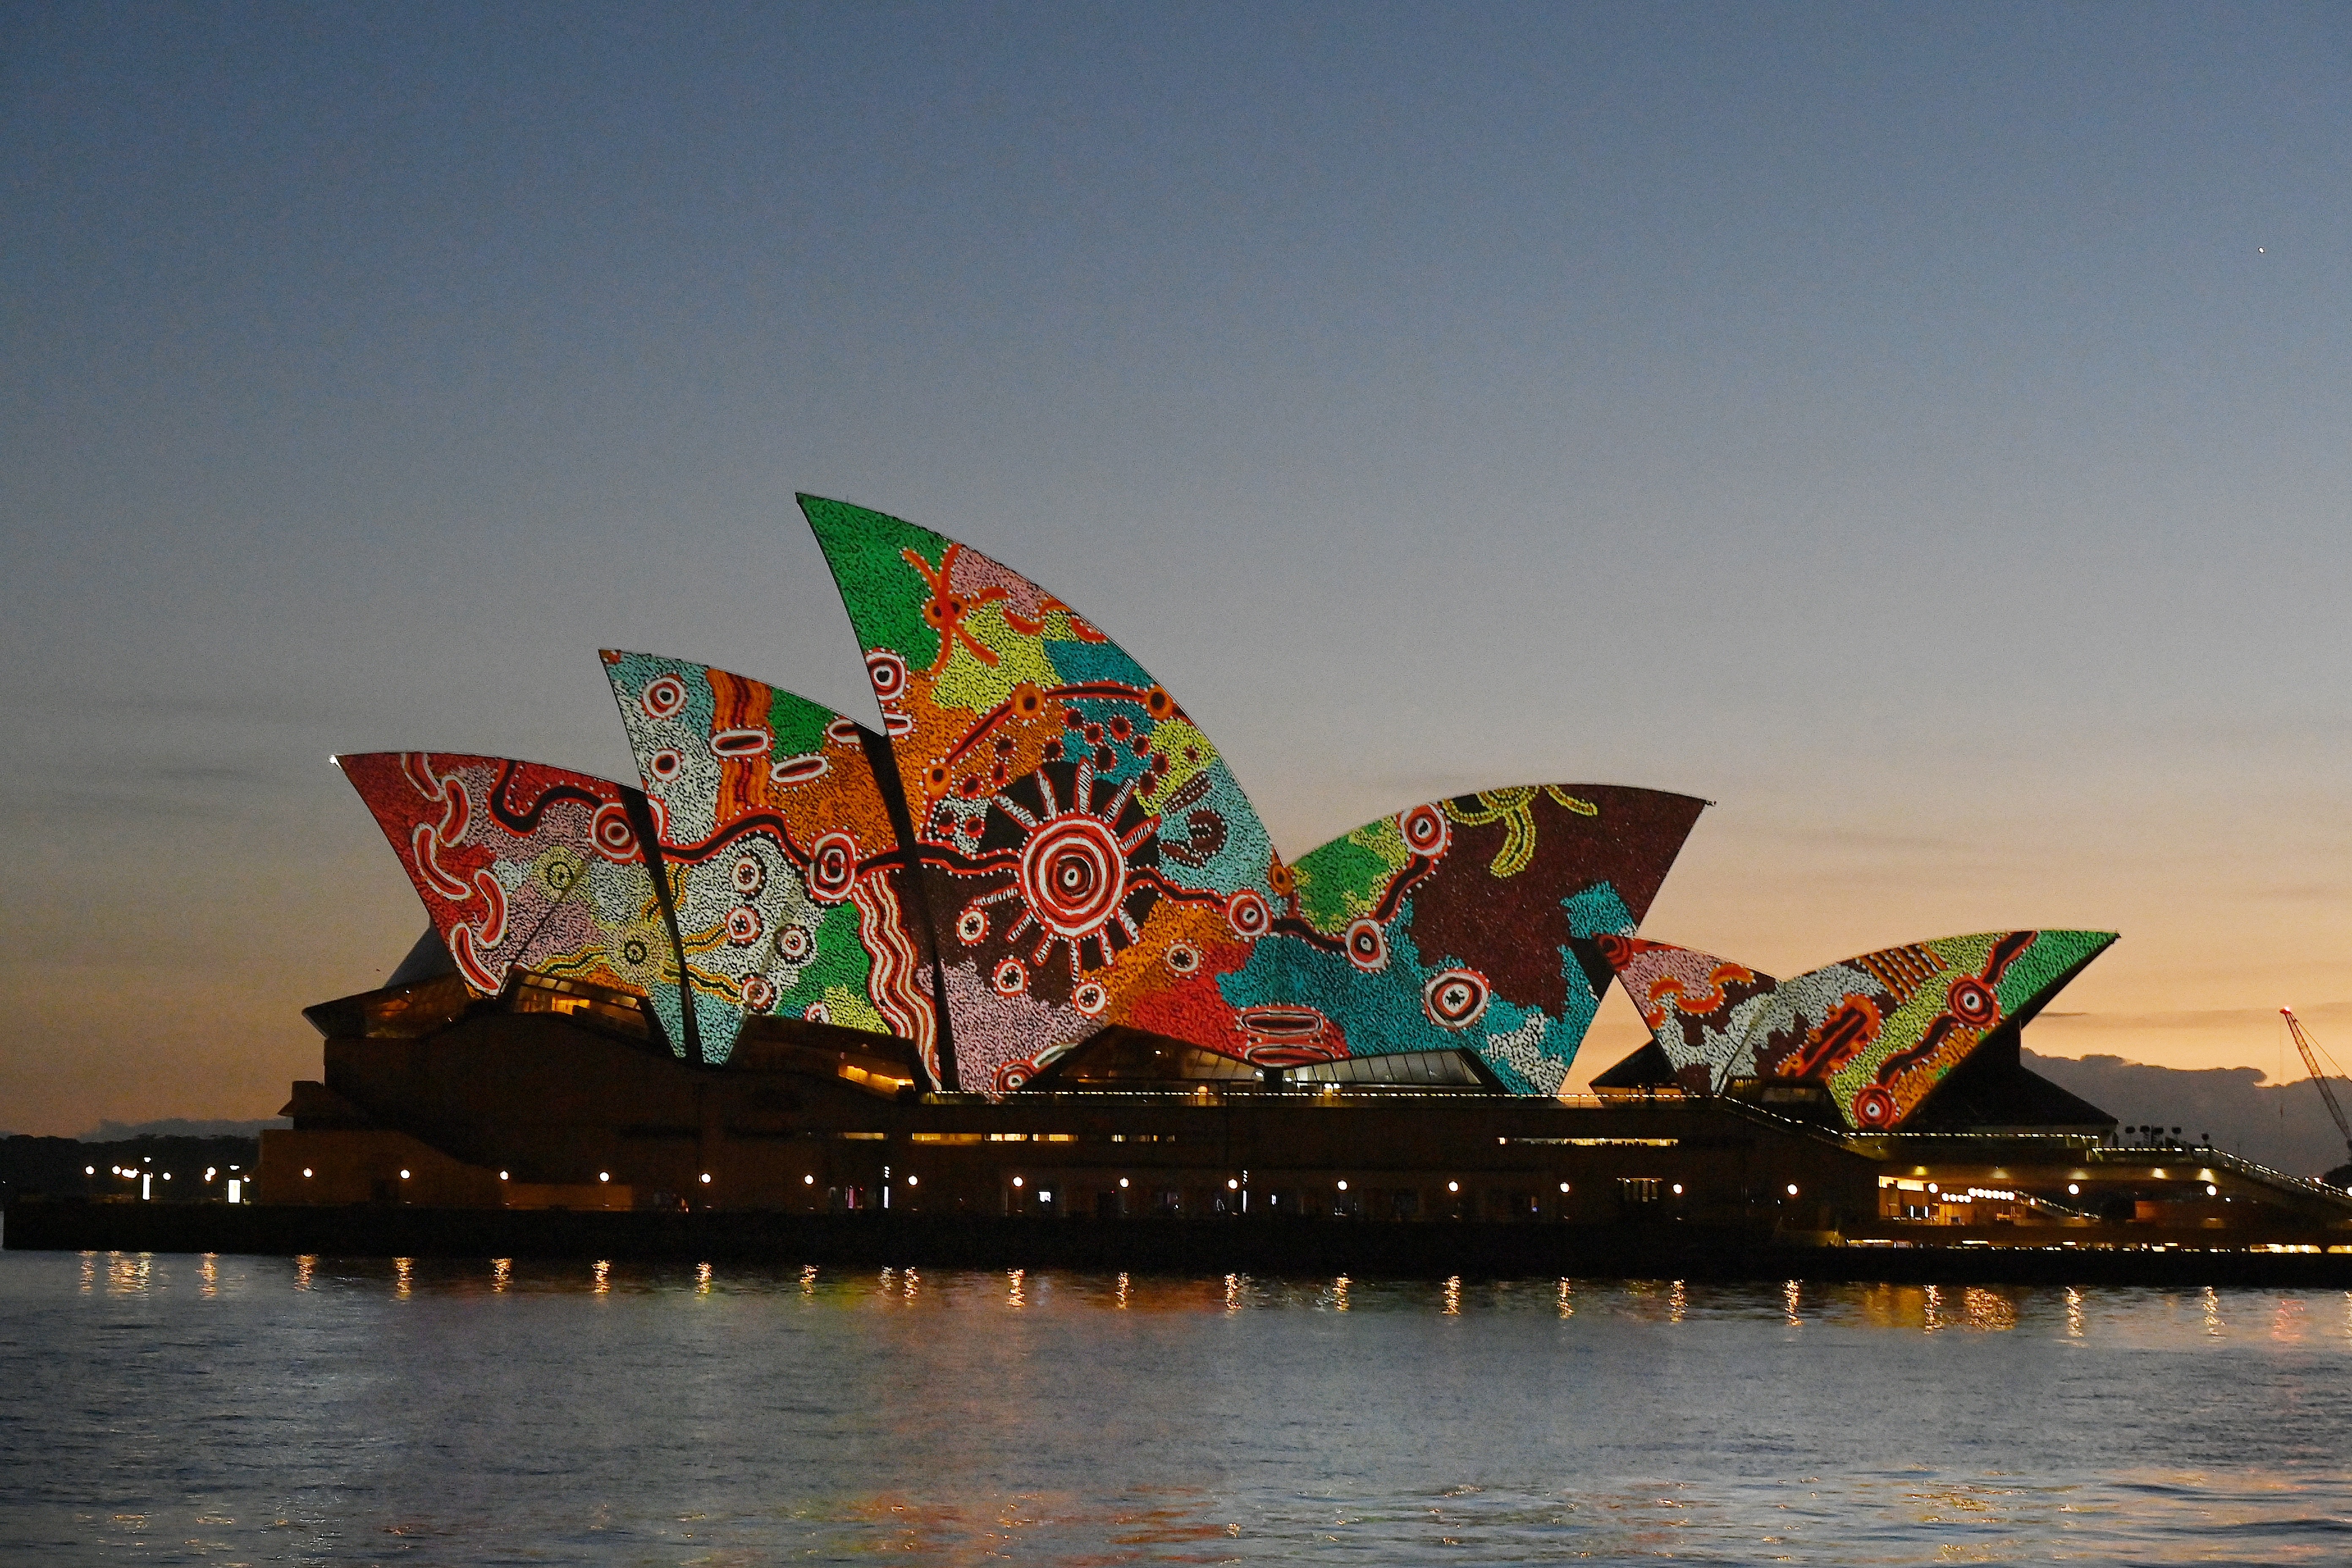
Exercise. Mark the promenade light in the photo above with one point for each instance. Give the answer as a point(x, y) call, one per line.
point(404, 1175)
point(1230, 1184)
point(1792, 1189)
point(604, 1175)
point(90, 1170)
point(1678, 1189)
point(706, 1178)
point(502, 1176)
point(1563, 1186)
point(1343, 1187)
point(306, 1173)
point(808, 1181)
point(1452, 1186)
point(1122, 1180)
point(2073, 1189)
point(914, 1181)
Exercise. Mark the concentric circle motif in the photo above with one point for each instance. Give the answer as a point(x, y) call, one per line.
point(1183, 957)
point(817, 1013)
point(1073, 875)
point(1368, 945)
point(735, 744)
point(610, 831)
point(664, 765)
point(1874, 1106)
point(1615, 950)
point(1247, 913)
point(1010, 978)
point(1089, 997)
point(794, 944)
point(748, 876)
point(664, 697)
point(759, 993)
point(1279, 877)
point(1425, 831)
point(1011, 1078)
point(743, 925)
point(560, 874)
point(841, 732)
point(1972, 1001)
point(634, 950)
point(1286, 1024)
point(1454, 999)
point(971, 927)
point(794, 771)
point(888, 671)
point(832, 867)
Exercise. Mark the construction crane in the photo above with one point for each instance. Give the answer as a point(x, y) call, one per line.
point(2312, 1057)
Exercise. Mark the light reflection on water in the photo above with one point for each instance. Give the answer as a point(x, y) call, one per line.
point(310, 1410)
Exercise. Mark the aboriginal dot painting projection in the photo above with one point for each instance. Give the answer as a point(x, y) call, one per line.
point(790, 884)
point(1464, 922)
point(1041, 845)
point(1087, 857)
point(523, 866)
point(1094, 862)
point(1880, 1031)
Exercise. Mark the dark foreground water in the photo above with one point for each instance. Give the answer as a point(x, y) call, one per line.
point(163, 1409)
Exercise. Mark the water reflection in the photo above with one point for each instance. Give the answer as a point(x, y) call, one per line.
point(489, 1409)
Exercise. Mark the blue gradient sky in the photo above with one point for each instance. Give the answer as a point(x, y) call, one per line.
point(1922, 430)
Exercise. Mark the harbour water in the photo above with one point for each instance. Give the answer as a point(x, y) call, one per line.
point(174, 1408)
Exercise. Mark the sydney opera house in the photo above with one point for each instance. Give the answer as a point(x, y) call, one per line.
point(1028, 949)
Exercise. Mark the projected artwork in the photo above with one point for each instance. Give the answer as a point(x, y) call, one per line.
point(789, 882)
point(523, 866)
point(1460, 923)
point(1879, 1032)
point(1088, 858)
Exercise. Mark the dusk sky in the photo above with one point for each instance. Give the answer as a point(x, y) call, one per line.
point(1921, 430)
